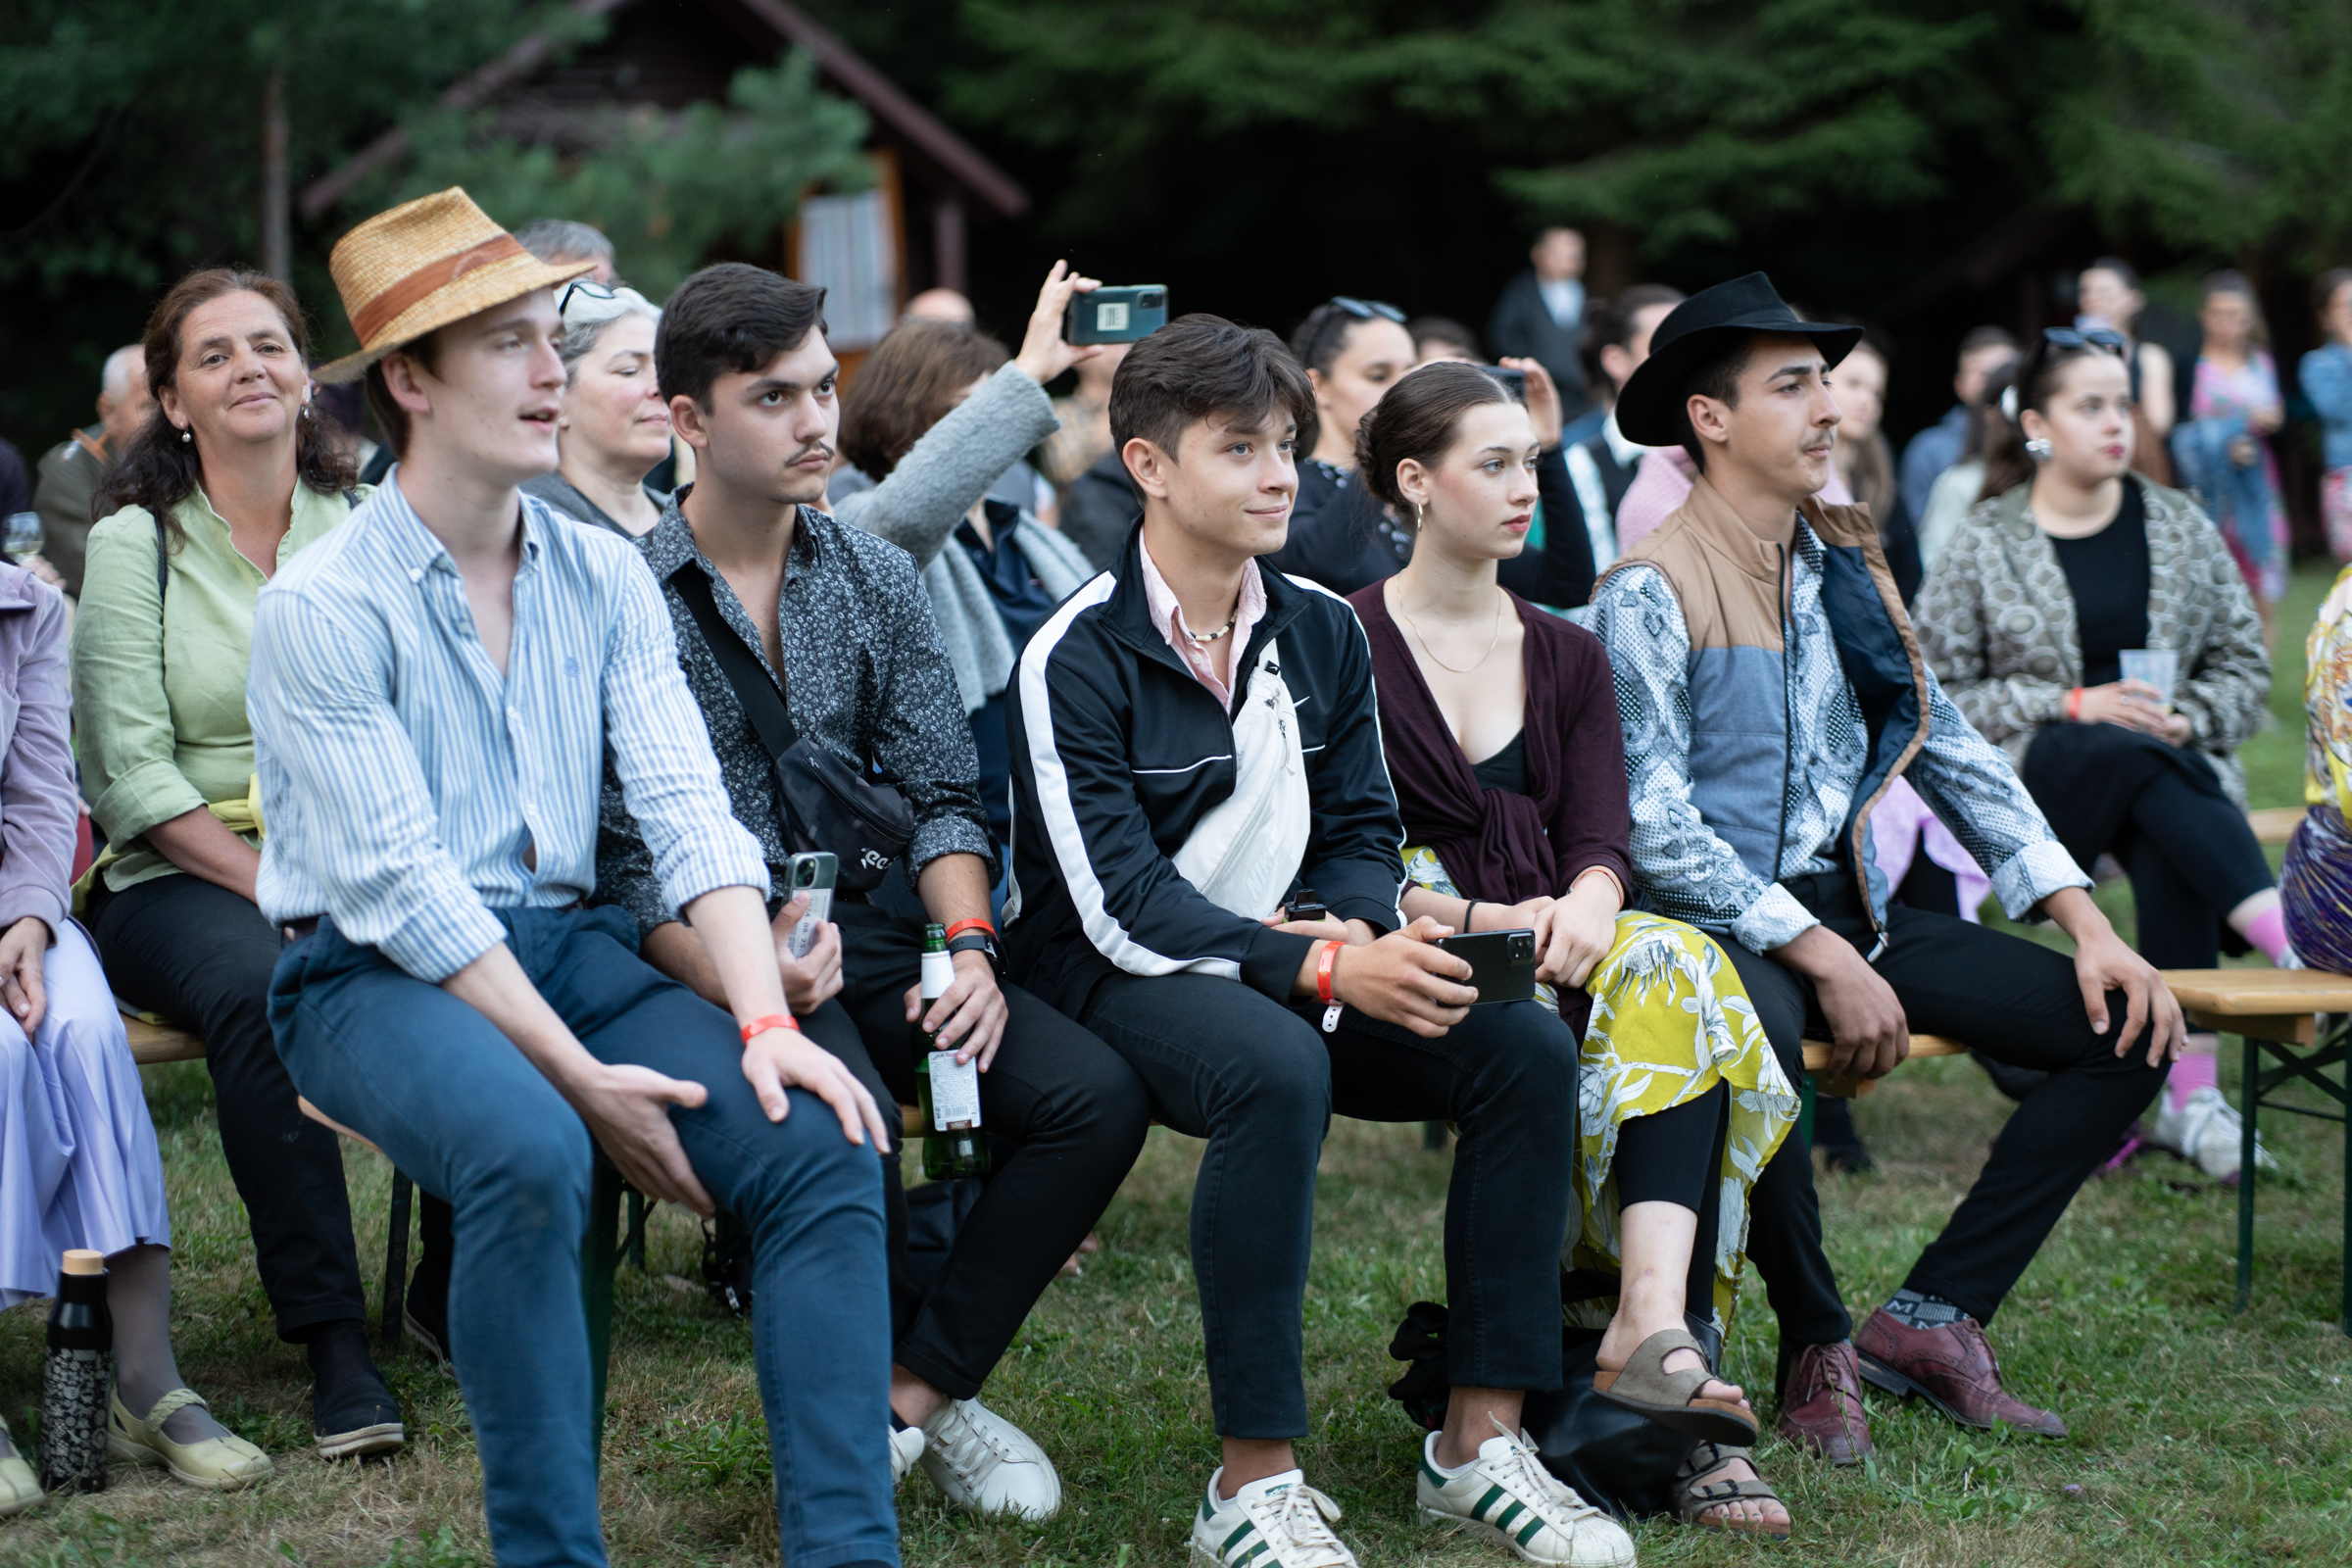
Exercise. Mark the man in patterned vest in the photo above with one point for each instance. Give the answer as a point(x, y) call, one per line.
point(1771, 690)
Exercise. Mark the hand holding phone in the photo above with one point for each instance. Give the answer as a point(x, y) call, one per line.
point(1502, 963)
point(813, 873)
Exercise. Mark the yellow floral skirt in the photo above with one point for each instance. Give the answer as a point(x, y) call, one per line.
point(1670, 1020)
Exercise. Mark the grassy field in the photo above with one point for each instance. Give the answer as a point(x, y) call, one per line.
point(2199, 1436)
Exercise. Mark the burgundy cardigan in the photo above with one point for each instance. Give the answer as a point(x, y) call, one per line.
point(1497, 846)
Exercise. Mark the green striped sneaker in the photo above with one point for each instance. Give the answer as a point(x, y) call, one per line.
point(1274, 1523)
point(1508, 1495)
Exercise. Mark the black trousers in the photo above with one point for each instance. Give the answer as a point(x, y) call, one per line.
point(1259, 1081)
point(1065, 1116)
point(202, 956)
point(2161, 812)
point(2018, 1002)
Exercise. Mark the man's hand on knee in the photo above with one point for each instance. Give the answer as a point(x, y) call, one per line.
point(627, 1112)
point(1869, 1036)
point(2103, 964)
point(777, 1059)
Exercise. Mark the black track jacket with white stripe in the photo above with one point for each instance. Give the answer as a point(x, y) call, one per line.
point(1118, 752)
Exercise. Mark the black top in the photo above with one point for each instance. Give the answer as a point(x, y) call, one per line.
point(1341, 535)
point(1506, 770)
point(2108, 574)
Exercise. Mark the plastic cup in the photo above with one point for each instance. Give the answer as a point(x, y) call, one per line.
point(2158, 666)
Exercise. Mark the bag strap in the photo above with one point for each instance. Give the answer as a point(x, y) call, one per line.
point(763, 704)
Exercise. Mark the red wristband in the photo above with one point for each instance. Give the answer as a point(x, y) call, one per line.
point(773, 1020)
point(974, 923)
point(1323, 968)
point(2073, 705)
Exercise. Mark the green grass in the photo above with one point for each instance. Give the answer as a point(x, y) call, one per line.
point(2200, 1436)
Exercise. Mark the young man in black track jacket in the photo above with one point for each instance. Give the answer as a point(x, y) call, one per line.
point(1195, 742)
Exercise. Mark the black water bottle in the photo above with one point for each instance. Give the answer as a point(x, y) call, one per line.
point(74, 1381)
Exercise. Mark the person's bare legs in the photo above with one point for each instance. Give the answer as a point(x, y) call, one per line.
point(1249, 1460)
point(1656, 1242)
point(912, 1399)
point(138, 1296)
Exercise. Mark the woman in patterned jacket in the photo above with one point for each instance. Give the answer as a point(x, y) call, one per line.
point(1499, 724)
point(2071, 564)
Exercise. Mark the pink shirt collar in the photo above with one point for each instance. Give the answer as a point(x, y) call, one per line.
point(1167, 616)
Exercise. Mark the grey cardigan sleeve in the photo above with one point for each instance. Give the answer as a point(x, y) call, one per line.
point(918, 505)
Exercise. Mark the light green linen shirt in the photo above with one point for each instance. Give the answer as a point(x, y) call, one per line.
point(159, 689)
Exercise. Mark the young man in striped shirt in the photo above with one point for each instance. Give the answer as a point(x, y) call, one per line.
point(434, 688)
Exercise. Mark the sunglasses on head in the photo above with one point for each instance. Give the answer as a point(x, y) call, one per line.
point(583, 285)
point(2098, 337)
point(1367, 309)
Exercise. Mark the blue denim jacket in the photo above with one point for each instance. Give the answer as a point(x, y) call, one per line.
point(2326, 378)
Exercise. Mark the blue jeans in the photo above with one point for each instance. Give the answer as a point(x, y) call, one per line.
point(451, 1102)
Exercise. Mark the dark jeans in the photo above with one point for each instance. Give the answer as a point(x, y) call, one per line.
point(450, 1100)
point(1260, 1081)
point(1066, 1119)
point(202, 956)
point(2015, 1001)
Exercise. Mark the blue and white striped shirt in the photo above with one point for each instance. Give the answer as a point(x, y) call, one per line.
point(404, 783)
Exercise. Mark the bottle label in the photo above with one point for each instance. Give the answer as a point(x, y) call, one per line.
point(939, 973)
point(955, 1093)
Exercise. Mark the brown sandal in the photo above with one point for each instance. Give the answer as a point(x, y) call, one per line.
point(1672, 1399)
point(1692, 1499)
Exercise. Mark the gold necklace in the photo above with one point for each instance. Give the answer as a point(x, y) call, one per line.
point(1492, 642)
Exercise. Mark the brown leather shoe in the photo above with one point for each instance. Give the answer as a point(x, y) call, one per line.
point(1821, 1404)
point(1951, 1367)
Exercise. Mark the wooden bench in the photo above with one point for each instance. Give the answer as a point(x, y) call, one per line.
point(2274, 824)
point(154, 1044)
point(2272, 1011)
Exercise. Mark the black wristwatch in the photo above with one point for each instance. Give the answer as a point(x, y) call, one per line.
point(979, 941)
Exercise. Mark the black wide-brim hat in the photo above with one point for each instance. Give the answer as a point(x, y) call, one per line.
point(1649, 409)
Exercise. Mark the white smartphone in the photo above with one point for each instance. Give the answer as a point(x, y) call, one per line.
point(811, 873)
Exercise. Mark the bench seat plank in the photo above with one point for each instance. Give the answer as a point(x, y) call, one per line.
point(152, 1044)
point(1817, 1061)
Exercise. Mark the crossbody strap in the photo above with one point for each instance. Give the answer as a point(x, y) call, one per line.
point(763, 704)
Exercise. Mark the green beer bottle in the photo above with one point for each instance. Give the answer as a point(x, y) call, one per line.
point(950, 1092)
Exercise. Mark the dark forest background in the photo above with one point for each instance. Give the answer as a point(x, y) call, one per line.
point(1921, 163)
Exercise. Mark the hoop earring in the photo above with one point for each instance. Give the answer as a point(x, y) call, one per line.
point(2040, 449)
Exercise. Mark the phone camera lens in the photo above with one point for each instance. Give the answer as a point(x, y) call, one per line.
point(1149, 300)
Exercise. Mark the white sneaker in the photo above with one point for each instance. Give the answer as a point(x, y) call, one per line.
point(905, 1446)
point(1275, 1523)
point(1508, 1495)
point(983, 1462)
point(2206, 1129)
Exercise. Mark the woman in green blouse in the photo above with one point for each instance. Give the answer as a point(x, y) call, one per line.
point(230, 477)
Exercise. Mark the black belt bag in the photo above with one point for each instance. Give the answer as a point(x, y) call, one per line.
point(823, 801)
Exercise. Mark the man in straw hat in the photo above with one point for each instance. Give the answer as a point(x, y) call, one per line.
point(1773, 690)
point(434, 688)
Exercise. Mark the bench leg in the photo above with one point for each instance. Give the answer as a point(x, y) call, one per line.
point(2248, 1092)
point(1806, 1094)
point(636, 1230)
point(395, 1301)
point(1433, 1135)
point(600, 1260)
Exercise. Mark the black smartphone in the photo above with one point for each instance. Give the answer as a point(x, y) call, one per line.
point(1502, 963)
point(1122, 314)
point(1513, 382)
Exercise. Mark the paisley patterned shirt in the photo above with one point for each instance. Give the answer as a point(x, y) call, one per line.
point(864, 673)
point(1689, 873)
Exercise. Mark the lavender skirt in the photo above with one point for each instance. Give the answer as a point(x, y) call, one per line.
point(79, 1164)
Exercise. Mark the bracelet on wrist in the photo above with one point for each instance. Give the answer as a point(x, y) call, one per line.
point(975, 923)
point(763, 1024)
point(1470, 915)
point(1325, 967)
point(2073, 705)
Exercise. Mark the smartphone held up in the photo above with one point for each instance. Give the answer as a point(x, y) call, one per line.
point(1126, 312)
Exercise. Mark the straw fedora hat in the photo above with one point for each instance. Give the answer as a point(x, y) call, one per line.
point(425, 264)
